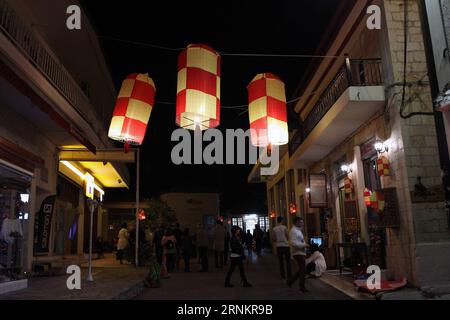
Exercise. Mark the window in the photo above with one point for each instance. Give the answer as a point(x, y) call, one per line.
point(238, 222)
point(282, 198)
point(264, 223)
point(291, 186)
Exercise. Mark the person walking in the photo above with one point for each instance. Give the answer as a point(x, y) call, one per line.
point(122, 243)
point(280, 235)
point(298, 247)
point(187, 245)
point(177, 233)
point(249, 244)
point(258, 237)
point(219, 244)
point(202, 244)
point(236, 258)
point(157, 237)
point(169, 243)
point(226, 248)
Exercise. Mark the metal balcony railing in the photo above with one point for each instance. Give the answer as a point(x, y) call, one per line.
point(363, 72)
point(19, 34)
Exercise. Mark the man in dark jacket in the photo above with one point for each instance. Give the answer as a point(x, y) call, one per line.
point(236, 257)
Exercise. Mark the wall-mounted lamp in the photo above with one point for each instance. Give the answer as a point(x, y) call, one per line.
point(308, 190)
point(381, 147)
point(346, 168)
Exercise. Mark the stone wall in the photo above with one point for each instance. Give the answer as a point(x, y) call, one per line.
point(416, 150)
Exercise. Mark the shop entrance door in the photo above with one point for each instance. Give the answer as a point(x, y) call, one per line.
point(377, 234)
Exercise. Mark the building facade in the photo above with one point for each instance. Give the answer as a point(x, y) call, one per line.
point(55, 108)
point(363, 167)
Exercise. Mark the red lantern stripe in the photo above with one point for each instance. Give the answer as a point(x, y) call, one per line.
point(201, 80)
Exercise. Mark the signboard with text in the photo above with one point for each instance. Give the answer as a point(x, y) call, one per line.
point(318, 191)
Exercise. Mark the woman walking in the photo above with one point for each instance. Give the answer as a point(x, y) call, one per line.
point(122, 243)
point(169, 243)
point(187, 245)
point(236, 257)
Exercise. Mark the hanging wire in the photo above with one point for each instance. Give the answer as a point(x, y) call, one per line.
point(224, 53)
point(237, 107)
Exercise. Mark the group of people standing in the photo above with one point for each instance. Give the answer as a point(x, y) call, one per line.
point(293, 244)
point(171, 245)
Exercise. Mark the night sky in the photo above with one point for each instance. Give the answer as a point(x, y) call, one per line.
point(272, 27)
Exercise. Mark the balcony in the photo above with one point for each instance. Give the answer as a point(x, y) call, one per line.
point(354, 95)
point(28, 56)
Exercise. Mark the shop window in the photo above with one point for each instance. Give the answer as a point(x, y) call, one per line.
point(238, 222)
point(282, 198)
point(264, 223)
point(14, 223)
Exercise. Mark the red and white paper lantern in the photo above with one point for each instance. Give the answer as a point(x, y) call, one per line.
point(267, 111)
point(133, 109)
point(198, 88)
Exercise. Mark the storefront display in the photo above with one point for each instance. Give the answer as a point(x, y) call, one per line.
point(14, 198)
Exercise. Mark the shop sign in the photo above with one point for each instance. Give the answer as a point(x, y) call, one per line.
point(42, 226)
point(89, 186)
point(318, 190)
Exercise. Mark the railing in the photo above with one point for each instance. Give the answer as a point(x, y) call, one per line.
point(39, 56)
point(357, 73)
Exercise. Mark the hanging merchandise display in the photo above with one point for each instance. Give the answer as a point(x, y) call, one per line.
point(267, 111)
point(383, 166)
point(367, 197)
point(292, 208)
point(198, 88)
point(348, 186)
point(377, 201)
point(133, 108)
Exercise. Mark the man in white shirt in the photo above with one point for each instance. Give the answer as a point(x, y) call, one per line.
point(280, 238)
point(298, 247)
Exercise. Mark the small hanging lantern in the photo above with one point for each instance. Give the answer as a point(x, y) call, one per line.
point(134, 105)
point(367, 197)
point(272, 214)
point(383, 166)
point(142, 215)
point(348, 186)
point(198, 88)
point(267, 111)
point(293, 208)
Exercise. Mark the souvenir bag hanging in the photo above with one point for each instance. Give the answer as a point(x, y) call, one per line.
point(383, 166)
point(367, 197)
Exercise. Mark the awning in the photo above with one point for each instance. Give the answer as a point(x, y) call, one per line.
point(104, 166)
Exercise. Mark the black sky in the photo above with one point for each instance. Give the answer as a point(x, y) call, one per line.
point(284, 27)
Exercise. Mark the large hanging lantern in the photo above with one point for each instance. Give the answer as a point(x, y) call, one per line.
point(133, 108)
point(198, 88)
point(267, 111)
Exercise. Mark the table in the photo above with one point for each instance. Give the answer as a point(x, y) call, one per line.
point(359, 255)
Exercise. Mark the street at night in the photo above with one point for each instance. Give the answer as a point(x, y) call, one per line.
point(177, 154)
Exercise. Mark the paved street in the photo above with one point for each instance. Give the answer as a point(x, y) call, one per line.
point(261, 272)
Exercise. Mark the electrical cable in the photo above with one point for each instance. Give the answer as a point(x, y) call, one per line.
point(405, 66)
point(223, 53)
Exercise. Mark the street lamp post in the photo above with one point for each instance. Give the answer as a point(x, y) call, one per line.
point(93, 204)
